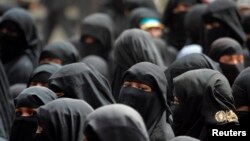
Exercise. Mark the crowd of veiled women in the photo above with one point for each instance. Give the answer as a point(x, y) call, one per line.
point(131, 75)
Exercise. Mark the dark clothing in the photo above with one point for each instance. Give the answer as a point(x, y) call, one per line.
point(168, 53)
point(227, 46)
point(175, 22)
point(64, 51)
point(6, 105)
point(193, 24)
point(63, 120)
point(184, 64)
point(22, 57)
point(128, 125)
point(132, 46)
point(100, 27)
point(80, 81)
point(201, 97)
point(16, 89)
point(43, 72)
point(24, 128)
point(225, 12)
point(151, 105)
point(98, 63)
point(241, 93)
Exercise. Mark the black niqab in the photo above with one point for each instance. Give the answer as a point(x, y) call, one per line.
point(28, 46)
point(151, 105)
point(227, 46)
point(80, 81)
point(128, 125)
point(63, 119)
point(24, 128)
point(226, 13)
point(64, 51)
point(201, 96)
point(131, 47)
point(100, 27)
point(184, 64)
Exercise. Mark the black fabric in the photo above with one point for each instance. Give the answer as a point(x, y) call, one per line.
point(129, 5)
point(24, 128)
point(131, 47)
point(193, 24)
point(128, 125)
point(175, 22)
point(151, 105)
point(43, 72)
point(100, 27)
point(246, 22)
point(63, 119)
point(225, 12)
point(168, 53)
point(16, 89)
point(19, 68)
point(34, 96)
point(80, 81)
point(6, 105)
point(98, 63)
point(227, 46)
point(184, 64)
point(64, 51)
point(241, 95)
point(201, 94)
point(184, 138)
point(139, 13)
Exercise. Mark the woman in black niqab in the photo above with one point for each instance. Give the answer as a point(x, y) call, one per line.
point(62, 120)
point(79, 81)
point(202, 97)
point(19, 44)
point(184, 64)
point(228, 53)
point(26, 103)
point(145, 90)
point(128, 125)
point(131, 47)
point(96, 36)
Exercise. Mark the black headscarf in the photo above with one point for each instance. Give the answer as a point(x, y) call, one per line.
point(131, 47)
point(43, 72)
point(139, 13)
point(241, 93)
point(16, 89)
point(63, 120)
point(80, 81)
point(100, 27)
point(64, 51)
point(227, 46)
point(226, 13)
point(24, 128)
point(184, 64)
point(151, 105)
point(128, 125)
point(175, 22)
point(202, 97)
point(184, 138)
point(129, 5)
point(168, 53)
point(6, 105)
point(98, 63)
point(193, 24)
point(20, 55)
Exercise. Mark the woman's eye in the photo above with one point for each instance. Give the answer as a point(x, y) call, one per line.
point(33, 113)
